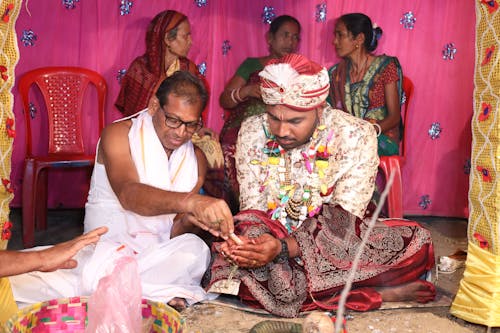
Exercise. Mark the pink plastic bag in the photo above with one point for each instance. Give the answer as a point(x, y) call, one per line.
point(115, 306)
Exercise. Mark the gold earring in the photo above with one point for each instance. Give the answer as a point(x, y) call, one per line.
point(357, 45)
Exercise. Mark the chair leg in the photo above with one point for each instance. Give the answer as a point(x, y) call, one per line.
point(395, 195)
point(41, 200)
point(28, 201)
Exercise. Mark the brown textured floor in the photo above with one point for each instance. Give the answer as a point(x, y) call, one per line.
point(449, 235)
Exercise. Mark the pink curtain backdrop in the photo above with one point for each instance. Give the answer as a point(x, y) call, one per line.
point(95, 35)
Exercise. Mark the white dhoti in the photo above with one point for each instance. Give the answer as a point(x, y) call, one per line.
point(167, 270)
point(168, 267)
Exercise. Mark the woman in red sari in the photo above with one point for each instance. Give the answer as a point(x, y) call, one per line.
point(366, 85)
point(168, 40)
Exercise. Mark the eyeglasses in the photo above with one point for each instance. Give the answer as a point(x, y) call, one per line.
point(173, 122)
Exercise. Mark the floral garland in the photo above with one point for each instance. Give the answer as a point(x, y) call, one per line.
point(284, 200)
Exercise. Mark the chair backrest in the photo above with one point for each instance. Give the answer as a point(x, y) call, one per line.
point(408, 92)
point(63, 90)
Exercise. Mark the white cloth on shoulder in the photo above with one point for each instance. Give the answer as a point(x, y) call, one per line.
point(168, 267)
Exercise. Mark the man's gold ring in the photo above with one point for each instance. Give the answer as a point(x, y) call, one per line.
point(254, 262)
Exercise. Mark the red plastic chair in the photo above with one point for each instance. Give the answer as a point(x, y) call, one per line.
point(63, 90)
point(392, 164)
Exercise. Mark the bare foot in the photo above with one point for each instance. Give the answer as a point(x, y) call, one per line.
point(420, 291)
point(178, 303)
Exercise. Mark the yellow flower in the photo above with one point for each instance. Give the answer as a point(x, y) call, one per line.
point(274, 160)
point(321, 164)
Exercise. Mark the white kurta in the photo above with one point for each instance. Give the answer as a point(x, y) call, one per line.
point(168, 267)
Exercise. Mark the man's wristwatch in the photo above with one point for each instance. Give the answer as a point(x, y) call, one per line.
point(283, 256)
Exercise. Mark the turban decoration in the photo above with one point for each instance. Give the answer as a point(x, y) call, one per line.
point(294, 81)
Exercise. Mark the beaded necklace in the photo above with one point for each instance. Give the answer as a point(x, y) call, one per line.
point(288, 201)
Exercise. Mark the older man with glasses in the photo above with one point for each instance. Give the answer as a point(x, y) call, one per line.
point(145, 188)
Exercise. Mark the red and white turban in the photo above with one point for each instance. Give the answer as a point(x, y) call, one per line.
point(294, 81)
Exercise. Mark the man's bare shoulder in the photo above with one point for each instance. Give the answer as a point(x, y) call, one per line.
point(114, 138)
point(197, 150)
point(199, 153)
point(116, 130)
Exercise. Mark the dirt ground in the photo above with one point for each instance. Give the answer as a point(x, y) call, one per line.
point(448, 235)
point(209, 318)
point(434, 318)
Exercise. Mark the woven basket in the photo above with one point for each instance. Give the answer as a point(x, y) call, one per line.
point(70, 315)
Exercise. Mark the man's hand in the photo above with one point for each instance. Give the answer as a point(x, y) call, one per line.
point(61, 255)
point(211, 214)
point(254, 252)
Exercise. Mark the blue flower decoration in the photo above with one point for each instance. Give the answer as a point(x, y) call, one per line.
point(125, 7)
point(449, 51)
point(120, 75)
point(69, 4)
point(32, 110)
point(467, 166)
point(425, 201)
point(268, 14)
point(435, 131)
point(408, 20)
point(321, 12)
point(226, 46)
point(28, 38)
point(201, 3)
point(202, 68)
